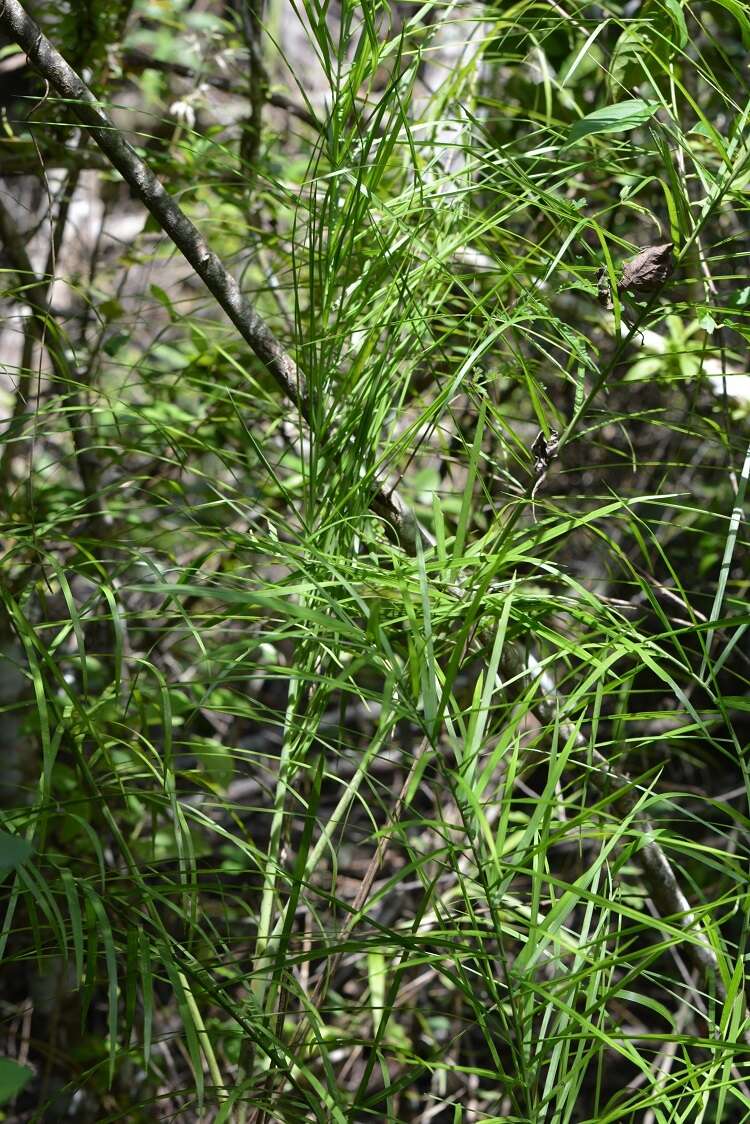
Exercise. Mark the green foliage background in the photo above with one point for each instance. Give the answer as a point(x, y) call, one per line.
point(234, 703)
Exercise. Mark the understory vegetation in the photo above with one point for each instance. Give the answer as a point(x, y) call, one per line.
point(374, 632)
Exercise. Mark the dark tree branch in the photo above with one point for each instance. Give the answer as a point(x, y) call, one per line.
point(251, 326)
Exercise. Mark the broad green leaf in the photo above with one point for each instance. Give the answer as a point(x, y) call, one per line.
point(13, 851)
point(116, 343)
point(626, 66)
point(674, 7)
point(646, 47)
point(13, 1077)
point(619, 118)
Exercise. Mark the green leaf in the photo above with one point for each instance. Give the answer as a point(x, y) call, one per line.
point(164, 298)
point(13, 1077)
point(111, 310)
point(110, 959)
point(626, 66)
point(674, 7)
point(738, 9)
point(617, 118)
point(376, 974)
point(116, 343)
point(646, 46)
point(736, 702)
point(13, 851)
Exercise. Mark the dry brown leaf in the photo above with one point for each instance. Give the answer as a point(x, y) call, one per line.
point(648, 270)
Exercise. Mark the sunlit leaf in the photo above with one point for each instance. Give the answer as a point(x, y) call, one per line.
point(619, 118)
